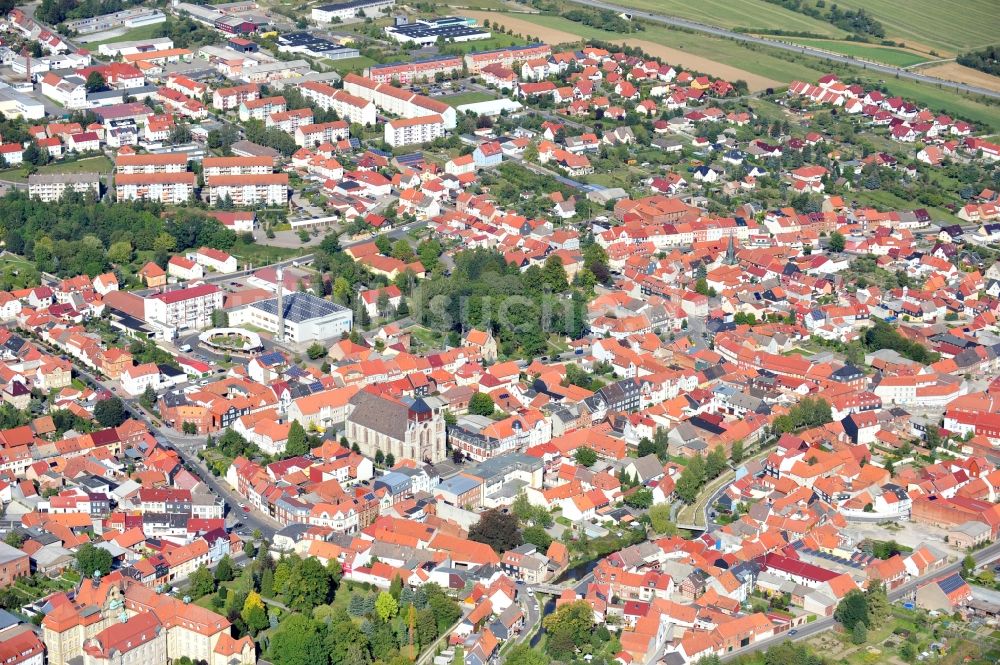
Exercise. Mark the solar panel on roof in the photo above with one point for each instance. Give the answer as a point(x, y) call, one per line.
point(951, 583)
point(300, 307)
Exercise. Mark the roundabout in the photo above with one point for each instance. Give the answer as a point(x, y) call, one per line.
point(231, 340)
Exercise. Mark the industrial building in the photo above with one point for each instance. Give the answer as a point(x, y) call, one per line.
point(305, 317)
point(426, 32)
point(350, 10)
point(308, 44)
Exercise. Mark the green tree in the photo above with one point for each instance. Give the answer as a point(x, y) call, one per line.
point(640, 499)
point(585, 456)
point(836, 242)
point(298, 641)
point(555, 274)
point(968, 566)
point(523, 654)
point(737, 454)
point(14, 539)
point(859, 634)
point(852, 609)
point(224, 569)
point(715, 463)
point(201, 583)
point(316, 351)
point(498, 530)
point(298, 443)
point(659, 519)
point(386, 606)
point(95, 82)
point(569, 628)
point(538, 537)
point(879, 607)
point(110, 412)
point(90, 559)
point(148, 398)
point(481, 404)
point(253, 613)
point(120, 252)
point(308, 585)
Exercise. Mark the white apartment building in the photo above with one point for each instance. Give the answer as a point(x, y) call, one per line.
point(50, 187)
point(259, 109)
point(347, 106)
point(136, 379)
point(323, 132)
point(216, 166)
point(409, 131)
point(268, 189)
point(398, 101)
point(190, 307)
point(169, 188)
point(168, 162)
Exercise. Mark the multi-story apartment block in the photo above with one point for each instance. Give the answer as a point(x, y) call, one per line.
point(169, 188)
point(225, 99)
point(406, 73)
point(161, 163)
point(408, 131)
point(347, 106)
point(184, 308)
point(258, 109)
point(323, 132)
point(216, 166)
point(51, 186)
point(269, 189)
point(398, 101)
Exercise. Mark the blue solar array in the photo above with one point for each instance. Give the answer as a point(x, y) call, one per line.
point(951, 583)
point(300, 307)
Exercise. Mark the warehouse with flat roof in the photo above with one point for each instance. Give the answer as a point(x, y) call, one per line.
point(306, 317)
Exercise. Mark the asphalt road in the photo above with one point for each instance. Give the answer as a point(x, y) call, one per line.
point(785, 46)
point(983, 556)
point(187, 447)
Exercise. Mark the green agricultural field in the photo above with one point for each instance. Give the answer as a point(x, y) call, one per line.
point(885, 55)
point(751, 14)
point(955, 27)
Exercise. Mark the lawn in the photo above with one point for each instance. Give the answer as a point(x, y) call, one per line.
point(750, 14)
point(96, 164)
point(494, 42)
point(470, 97)
point(260, 254)
point(886, 55)
point(142, 32)
point(945, 26)
point(347, 65)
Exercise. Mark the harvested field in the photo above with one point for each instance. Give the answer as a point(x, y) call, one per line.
point(526, 26)
point(698, 63)
point(953, 71)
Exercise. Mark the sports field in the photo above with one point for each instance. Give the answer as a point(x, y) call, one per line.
point(883, 54)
